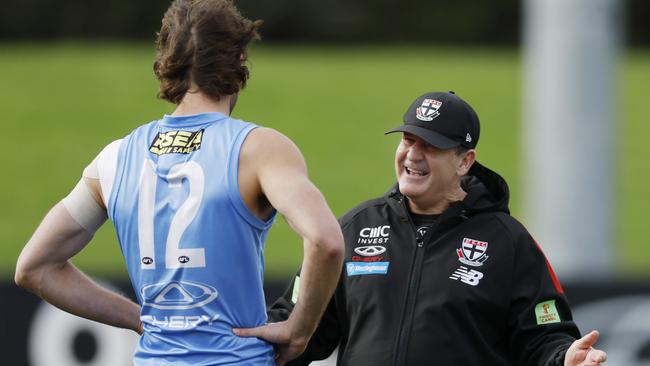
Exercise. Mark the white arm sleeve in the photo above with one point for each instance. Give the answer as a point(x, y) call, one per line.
point(84, 209)
point(80, 203)
point(91, 171)
point(106, 168)
point(103, 167)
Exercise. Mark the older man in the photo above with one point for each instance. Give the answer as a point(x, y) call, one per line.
point(437, 272)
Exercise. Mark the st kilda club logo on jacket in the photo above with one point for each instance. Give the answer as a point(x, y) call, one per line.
point(472, 252)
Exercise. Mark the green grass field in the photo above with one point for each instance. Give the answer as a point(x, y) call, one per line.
point(62, 103)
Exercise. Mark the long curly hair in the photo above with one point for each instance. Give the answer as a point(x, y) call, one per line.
point(203, 42)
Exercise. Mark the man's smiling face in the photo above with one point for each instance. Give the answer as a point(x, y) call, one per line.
point(425, 172)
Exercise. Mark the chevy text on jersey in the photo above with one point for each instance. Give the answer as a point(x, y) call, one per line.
point(194, 251)
point(473, 289)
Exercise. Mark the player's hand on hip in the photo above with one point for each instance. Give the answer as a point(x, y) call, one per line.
point(279, 334)
point(582, 353)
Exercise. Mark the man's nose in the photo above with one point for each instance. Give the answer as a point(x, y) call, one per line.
point(414, 152)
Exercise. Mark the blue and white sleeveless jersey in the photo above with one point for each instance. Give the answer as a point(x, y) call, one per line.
point(194, 251)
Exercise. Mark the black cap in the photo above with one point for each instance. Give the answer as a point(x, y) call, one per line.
point(443, 120)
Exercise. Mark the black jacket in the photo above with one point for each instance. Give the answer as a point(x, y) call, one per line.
point(476, 290)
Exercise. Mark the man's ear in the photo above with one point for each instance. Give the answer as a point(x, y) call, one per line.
point(468, 159)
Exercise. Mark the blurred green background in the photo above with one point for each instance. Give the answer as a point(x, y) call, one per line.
point(62, 102)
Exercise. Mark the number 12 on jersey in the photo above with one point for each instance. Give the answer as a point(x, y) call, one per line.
point(175, 257)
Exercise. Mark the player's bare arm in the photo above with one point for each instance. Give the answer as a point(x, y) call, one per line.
point(282, 180)
point(44, 267)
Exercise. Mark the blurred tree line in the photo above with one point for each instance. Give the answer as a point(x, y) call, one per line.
point(492, 22)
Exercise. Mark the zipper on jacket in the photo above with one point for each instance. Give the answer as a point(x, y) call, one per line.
point(404, 331)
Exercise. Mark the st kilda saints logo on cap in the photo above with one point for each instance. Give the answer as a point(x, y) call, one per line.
point(428, 110)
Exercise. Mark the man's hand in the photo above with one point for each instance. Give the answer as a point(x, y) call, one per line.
point(581, 352)
point(279, 334)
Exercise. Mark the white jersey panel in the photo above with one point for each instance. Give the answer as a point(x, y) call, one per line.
point(106, 163)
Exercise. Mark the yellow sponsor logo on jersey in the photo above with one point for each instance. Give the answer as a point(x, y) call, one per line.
point(176, 142)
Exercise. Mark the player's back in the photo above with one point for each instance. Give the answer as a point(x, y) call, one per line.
point(194, 251)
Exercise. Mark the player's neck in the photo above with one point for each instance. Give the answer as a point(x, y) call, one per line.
point(197, 102)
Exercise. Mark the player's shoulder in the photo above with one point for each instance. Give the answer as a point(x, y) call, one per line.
point(110, 151)
point(113, 145)
point(267, 143)
point(267, 135)
point(107, 153)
